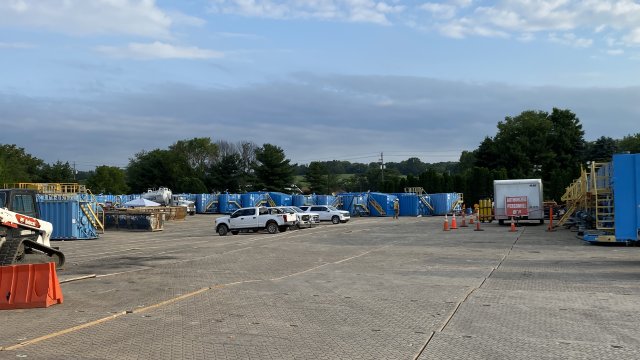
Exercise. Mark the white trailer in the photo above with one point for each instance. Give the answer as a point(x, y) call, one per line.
point(521, 199)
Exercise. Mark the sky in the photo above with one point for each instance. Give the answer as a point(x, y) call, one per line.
point(94, 82)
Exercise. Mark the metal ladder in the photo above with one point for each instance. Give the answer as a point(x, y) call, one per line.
point(603, 196)
point(377, 206)
point(575, 197)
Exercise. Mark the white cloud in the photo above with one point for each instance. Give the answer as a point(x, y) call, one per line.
point(443, 11)
point(570, 39)
point(336, 10)
point(615, 52)
point(159, 50)
point(91, 17)
point(522, 19)
point(633, 37)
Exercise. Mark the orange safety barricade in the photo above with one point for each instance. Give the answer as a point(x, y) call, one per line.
point(29, 286)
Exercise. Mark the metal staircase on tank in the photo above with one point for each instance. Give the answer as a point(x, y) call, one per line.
point(456, 207)
point(268, 200)
point(423, 200)
point(93, 216)
point(376, 206)
point(422, 195)
point(210, 204)
point(603, 197)
point(575, 197)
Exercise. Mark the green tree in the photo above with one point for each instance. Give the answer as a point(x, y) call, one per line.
point(536, 144)
point(272, 169)
point(57, 173)
point(108, 180)
point(600, 150)
point(316, 177)
point(199, 153)
point(157, 168)
point(192, 185)
point(247, 152)
point(226, 174)
point(630, 143)
point(18, 166)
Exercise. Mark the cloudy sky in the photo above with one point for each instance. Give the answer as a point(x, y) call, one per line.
point(94, 82)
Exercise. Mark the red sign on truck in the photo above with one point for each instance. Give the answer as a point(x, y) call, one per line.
point(516, 206)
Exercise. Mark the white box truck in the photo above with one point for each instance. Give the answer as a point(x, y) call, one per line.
point(521, 199)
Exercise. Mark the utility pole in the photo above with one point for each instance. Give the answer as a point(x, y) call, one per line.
point(74, 171)
point(382, 167)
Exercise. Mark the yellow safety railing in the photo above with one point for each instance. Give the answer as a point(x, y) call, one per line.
point(50, 188)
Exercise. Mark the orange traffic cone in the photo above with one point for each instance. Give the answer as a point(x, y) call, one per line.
point(464, 220)
point(471, 219)
point(477, 222)
point(446, 224)
point(454, 224)
point(513, 226)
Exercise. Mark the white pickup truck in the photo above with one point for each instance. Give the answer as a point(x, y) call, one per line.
point(328, 213)
point(255, 219)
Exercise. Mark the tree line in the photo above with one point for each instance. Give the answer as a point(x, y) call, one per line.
point(533, 144)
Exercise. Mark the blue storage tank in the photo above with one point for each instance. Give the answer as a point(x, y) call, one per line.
point(207, 203)
point(302, 200)
point(70, 217)
point(354, 203)
point(443, 203)
point(281, 199)
point(425, 204)
point(254, 199)
point(325, 200)
point(380, 204)
point(105, 198)
point(228, 203)
point(626, 196)
point(409, 204)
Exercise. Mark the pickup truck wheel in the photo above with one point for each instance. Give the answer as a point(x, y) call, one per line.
point(234, 232)
point(335, 219)
point(222, 230)
point(272, 228)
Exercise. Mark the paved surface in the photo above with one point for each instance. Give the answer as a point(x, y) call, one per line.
point(374, 288)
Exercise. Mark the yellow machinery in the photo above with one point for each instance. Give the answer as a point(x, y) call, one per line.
point(485, 210)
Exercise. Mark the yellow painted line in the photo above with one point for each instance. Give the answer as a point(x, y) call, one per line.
point(77, 278)
point(331, 263)
point(63, 332)
point(301, 272)
point(123, 272)
point(170, 301)
point(100, 321)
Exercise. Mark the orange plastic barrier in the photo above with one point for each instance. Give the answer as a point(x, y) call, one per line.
point(29, 286)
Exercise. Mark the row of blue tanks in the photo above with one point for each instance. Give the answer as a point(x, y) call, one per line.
point(71, 216)
point(358, 204)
